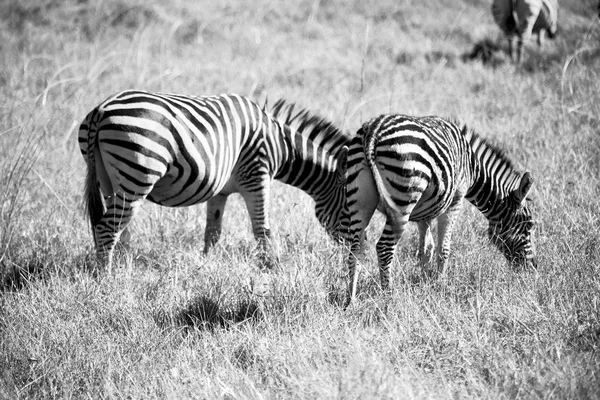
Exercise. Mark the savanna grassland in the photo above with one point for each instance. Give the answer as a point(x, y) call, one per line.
point(170, 322)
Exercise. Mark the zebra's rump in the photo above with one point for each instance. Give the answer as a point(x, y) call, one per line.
point(548, 18)
point(417, 160)
point(503, 13)
point(512, 16)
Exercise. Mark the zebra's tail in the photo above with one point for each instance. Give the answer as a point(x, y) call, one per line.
point(94, 205)
point(389, 206)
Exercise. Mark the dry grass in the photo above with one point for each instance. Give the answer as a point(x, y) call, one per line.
point(170, 322)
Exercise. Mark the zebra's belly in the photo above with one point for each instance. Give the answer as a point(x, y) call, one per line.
point(430, 207)
point(182, 191)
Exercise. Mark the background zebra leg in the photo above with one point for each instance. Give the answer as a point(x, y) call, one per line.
point(519, 49)
point(385, 248)
point(214, 220)
point(119, 213)
point(425, 252)
point(526, 31)
point(446, 223)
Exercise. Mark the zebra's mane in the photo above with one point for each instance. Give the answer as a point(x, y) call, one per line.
point(481, 145)
point(317, 129)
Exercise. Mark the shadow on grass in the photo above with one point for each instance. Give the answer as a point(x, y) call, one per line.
point(16, 273)
point(204, 313)
point(494, 53)
point(486, 51)
point(15, 277)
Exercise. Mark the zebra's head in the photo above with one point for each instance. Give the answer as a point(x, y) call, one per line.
point(513, 234)
point(327, 185)
point(331, 210)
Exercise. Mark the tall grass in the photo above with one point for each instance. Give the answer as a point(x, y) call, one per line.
point(172, 322)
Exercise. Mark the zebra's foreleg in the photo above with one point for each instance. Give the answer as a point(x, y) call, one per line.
point(446, 223)
point(257, 203)
point(214, 221)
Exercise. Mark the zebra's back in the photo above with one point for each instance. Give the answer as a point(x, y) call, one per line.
point(183, 149)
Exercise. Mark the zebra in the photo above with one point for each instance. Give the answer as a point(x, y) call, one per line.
point(178, 150)
point(523, 18)
point(419, 169)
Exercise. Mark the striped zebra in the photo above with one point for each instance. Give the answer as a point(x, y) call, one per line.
point(177, 150)
point(523, 18)
point(419, 169)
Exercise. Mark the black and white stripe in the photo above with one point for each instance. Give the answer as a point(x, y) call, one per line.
point(419, 169)
point(522, 18)
point(177, 150)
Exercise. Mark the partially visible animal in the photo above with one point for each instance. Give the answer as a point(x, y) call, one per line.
point(177, 150)
point(522, 18)
point(420, 169)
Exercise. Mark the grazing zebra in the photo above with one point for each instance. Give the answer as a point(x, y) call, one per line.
point(177, 150)
point(419, 169)
point(523, 18)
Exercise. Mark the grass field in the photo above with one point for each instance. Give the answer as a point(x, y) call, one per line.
point(169, 322)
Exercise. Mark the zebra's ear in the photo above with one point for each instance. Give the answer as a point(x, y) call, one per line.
point(524, 187)
point(342, 162)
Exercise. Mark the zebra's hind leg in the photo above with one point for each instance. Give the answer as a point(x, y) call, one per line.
point(362, 202)
point(425, 253)
point(392, 232)
point(119, 212)
point(356, 253)
point(214, 221)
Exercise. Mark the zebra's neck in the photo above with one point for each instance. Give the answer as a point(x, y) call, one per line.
point(494, 178)
point(309, 166)
point(310, 147)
